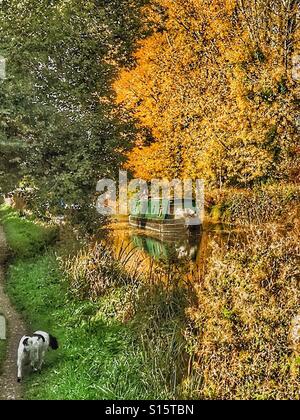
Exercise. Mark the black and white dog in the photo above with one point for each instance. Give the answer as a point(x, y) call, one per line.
point(32, 351)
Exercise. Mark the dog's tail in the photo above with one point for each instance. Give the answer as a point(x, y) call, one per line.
point(53, 343)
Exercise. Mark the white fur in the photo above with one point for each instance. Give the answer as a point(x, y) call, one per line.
point(32, 352)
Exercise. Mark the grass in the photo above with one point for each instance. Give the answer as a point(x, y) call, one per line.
point(96, 360)
point(99, 357)
point(25, 237)
point(225, 335)
point(152, 303)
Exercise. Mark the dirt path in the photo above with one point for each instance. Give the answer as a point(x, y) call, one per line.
point(9, 388)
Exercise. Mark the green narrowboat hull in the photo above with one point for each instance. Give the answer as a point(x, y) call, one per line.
point(166, 226)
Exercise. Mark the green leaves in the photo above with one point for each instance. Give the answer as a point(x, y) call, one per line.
point(62, 58)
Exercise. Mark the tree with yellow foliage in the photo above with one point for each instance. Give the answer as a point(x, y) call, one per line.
point(213, 90)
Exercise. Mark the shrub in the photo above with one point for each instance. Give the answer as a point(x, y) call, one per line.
point(267, 204)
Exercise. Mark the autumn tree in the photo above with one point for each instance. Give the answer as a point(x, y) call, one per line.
point(213, 91)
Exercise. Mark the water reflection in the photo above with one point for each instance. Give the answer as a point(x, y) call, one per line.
point(190, 252)
point(168, 249)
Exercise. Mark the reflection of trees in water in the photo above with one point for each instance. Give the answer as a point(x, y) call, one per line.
point(175, 251)
point(188, 253)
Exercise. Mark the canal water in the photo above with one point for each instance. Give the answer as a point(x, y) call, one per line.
point(188, 252)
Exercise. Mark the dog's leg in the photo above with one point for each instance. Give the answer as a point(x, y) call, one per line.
point(20, 367)
point(41, 361)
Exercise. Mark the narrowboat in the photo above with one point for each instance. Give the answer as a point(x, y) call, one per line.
point(166, 216)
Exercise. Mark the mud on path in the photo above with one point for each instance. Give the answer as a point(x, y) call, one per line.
point(9, 388)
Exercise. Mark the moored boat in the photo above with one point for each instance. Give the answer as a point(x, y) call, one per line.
point(165, 216)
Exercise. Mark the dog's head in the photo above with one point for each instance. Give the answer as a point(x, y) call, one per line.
point(53, 343)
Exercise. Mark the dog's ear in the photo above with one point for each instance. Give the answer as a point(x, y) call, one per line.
point(53, 343)
point(25, 342)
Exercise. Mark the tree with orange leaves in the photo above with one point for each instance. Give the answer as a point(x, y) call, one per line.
point(213, 86)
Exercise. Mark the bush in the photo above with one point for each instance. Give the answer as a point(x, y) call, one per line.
point(267, 204)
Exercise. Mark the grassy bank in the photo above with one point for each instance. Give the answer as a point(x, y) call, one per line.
point(244, 336)
point(25, 237)
point(231, 332)
point(99, 357)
